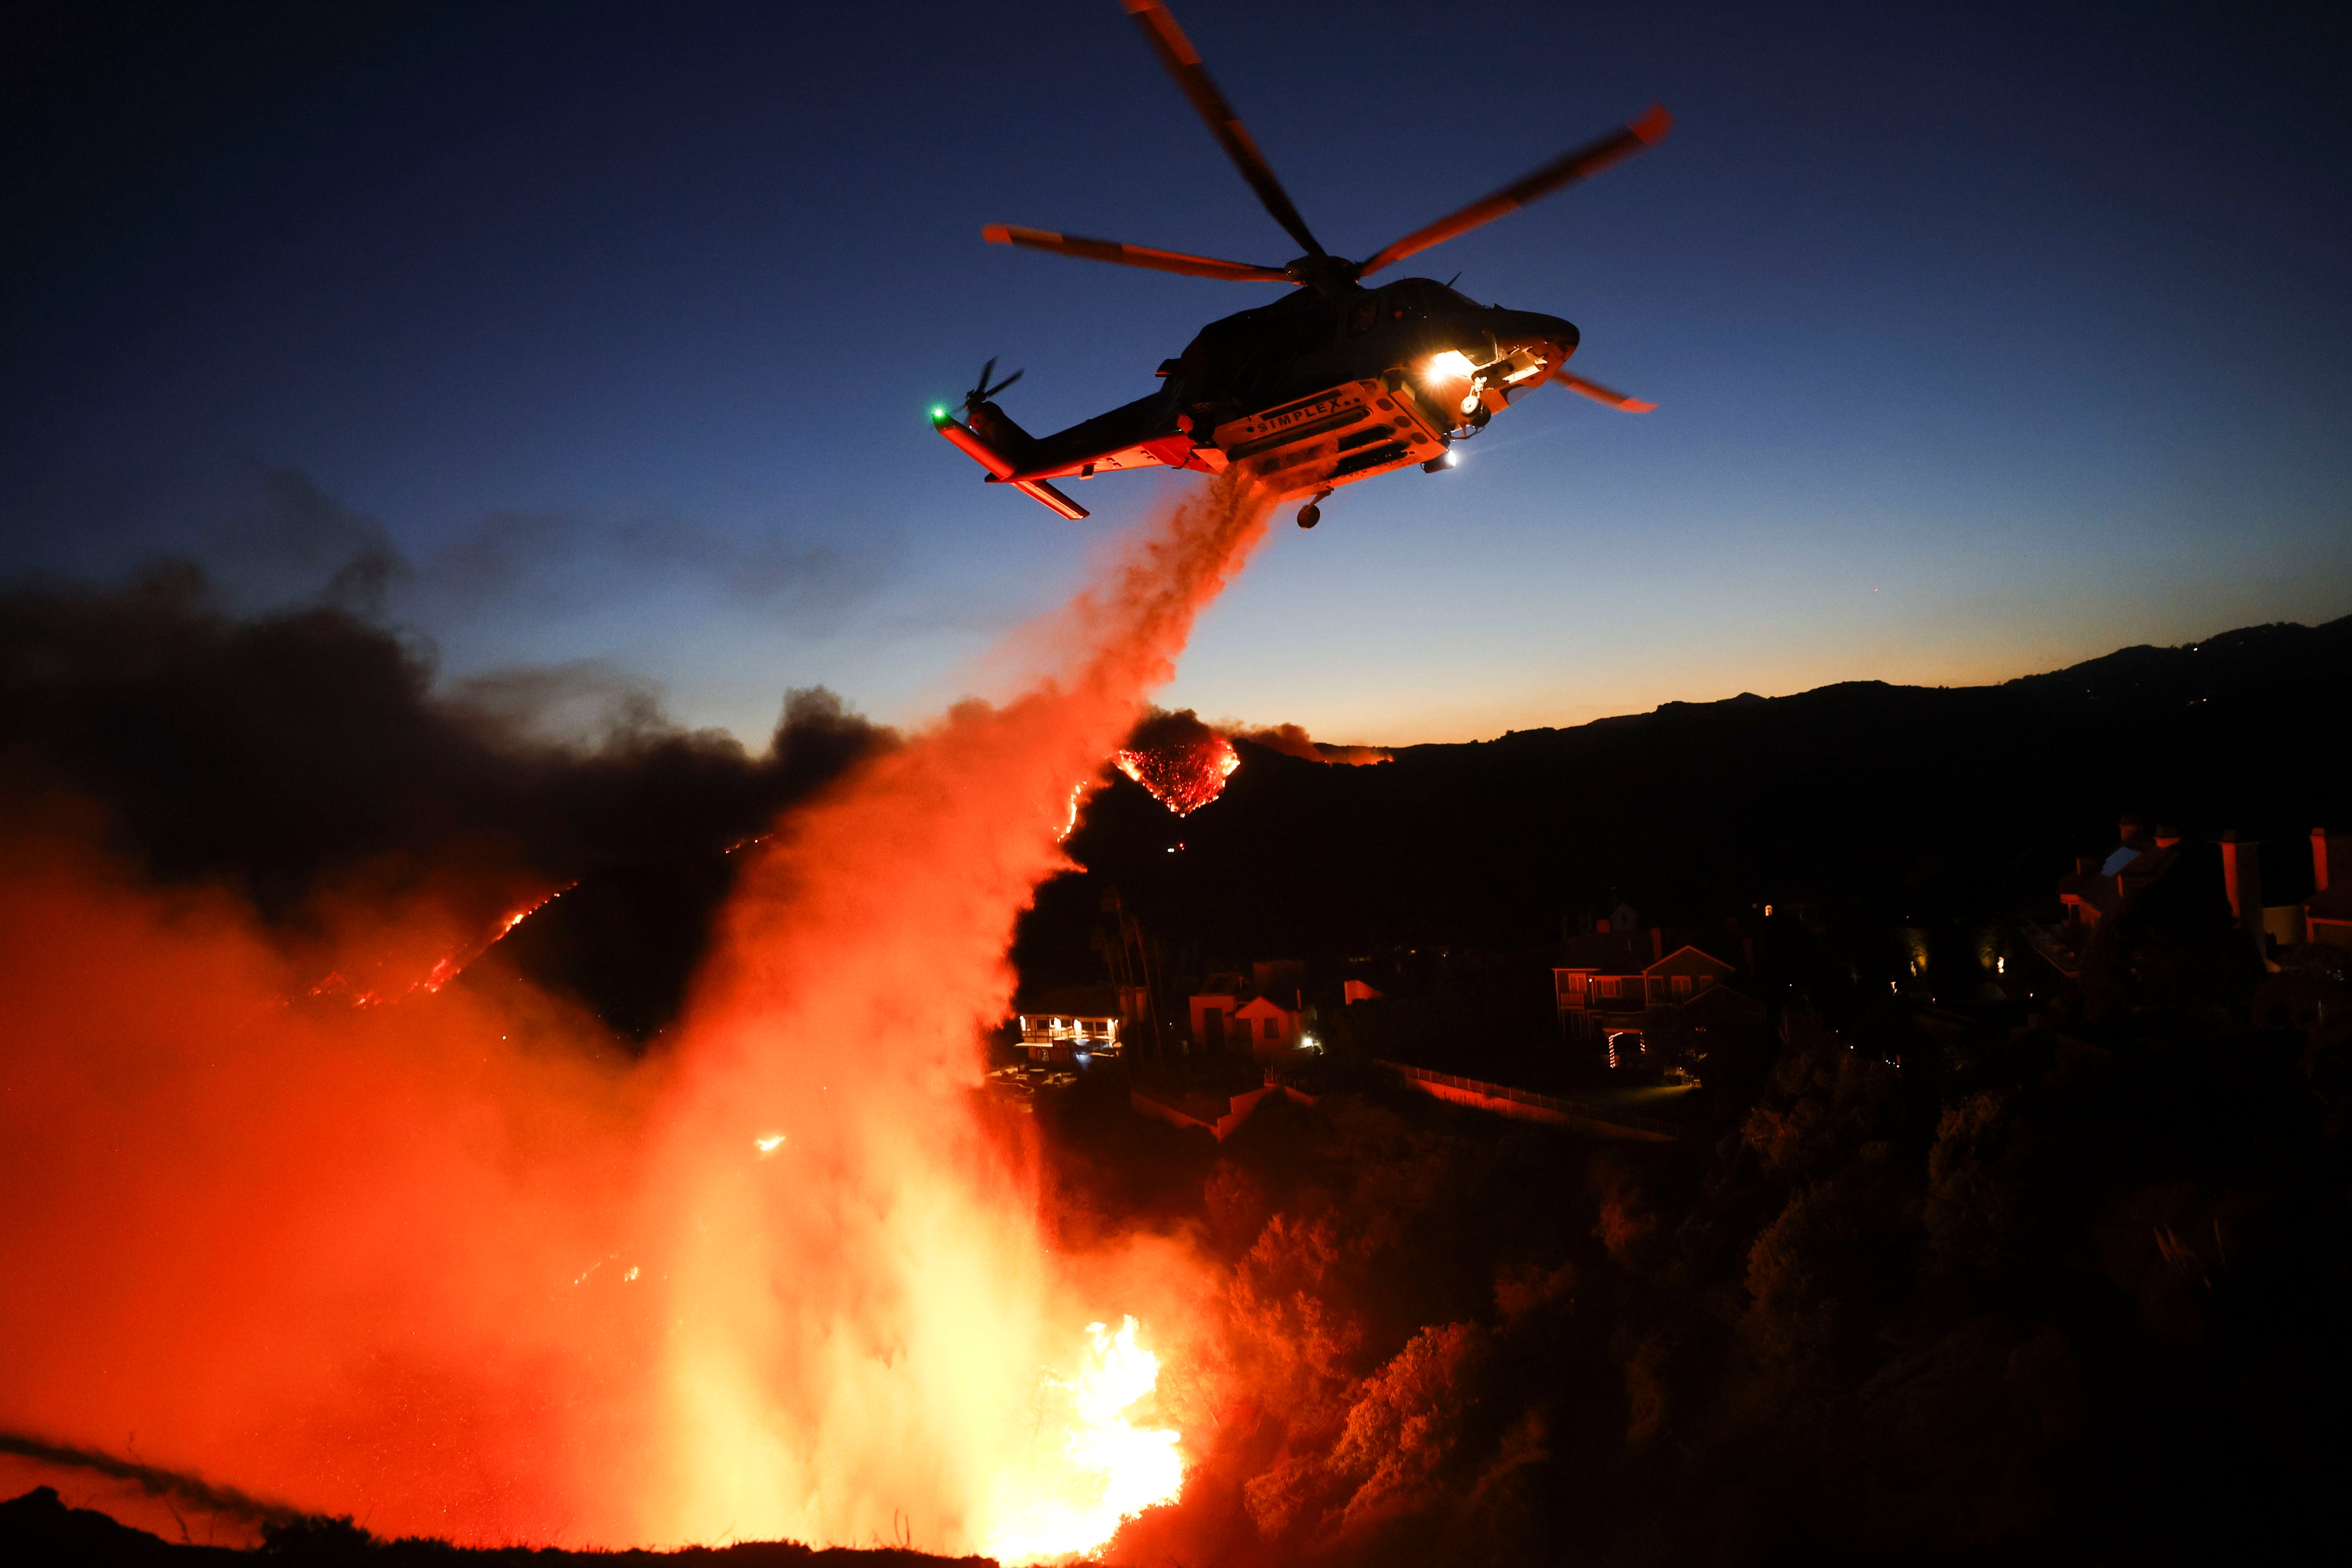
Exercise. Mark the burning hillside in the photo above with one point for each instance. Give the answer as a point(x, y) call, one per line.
point(1183, 761)
point(453, 1265)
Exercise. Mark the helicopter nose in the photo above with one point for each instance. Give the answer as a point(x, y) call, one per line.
point(1516, 330)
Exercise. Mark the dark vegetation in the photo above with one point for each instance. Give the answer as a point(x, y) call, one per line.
point(2069, 1289)
point(37, 1530)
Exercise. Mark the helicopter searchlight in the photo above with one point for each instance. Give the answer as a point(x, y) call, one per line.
point(1333, 383)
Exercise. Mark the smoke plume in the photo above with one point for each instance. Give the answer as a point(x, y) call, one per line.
point(1294, 741)
point(285, 753)
point(450, 1265)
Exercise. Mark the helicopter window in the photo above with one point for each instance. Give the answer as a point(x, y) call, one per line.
point(1360, 319)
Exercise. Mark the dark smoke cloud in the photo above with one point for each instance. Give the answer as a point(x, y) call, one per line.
point(171, 1485)
point(284, 541)
point(280, 540)
point(556, 562)
point(1159, 730)
point(282, 751)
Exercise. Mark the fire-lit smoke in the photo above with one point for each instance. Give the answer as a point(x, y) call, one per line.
point(449, 1266)
point(1183, 761)
point(1293, 741)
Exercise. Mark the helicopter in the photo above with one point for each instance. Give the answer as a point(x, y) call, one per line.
point(1332, 383)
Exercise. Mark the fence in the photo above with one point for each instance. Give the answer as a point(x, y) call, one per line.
point(1527, 1105)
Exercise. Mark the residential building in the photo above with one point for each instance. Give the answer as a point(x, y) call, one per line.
point(1657, 1014)
point(1080, 1020)
point(2100, 886)
point(1270, 1028)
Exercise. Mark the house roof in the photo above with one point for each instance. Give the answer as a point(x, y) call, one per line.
point(2139, 872)
point(1607, 952)
point(1259, 1006)
point(1691, 960)
point(2092, 887)
point(1072, 1002)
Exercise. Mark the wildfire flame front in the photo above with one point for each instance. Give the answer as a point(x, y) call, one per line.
point(1106, 1471)
point(1184, 778)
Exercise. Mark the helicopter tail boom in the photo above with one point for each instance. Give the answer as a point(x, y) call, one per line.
point(1001, 469)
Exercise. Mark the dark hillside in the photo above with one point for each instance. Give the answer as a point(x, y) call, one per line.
point(1904, 799)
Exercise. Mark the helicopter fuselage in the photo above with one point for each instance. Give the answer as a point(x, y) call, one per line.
point(1316, 390)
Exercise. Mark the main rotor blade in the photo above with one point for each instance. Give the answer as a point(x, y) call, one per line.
point(1600, 393)
point(1654, 123)
point(1183, 62)
point(1132, 255)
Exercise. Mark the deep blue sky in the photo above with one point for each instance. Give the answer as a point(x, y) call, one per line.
point(1985, 339)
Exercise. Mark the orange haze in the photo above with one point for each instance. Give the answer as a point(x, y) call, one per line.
point(447, 1267)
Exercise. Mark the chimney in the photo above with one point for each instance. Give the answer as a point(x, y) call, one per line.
point(2086, 864)
point(2241, 879)
point(2330, 853)
point(2133, 830)
point(1657, 943)
point(2166, 836)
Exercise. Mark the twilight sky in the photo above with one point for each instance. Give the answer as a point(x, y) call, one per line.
point(1986, 337)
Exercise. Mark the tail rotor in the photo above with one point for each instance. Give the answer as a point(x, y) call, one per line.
point(982, 392)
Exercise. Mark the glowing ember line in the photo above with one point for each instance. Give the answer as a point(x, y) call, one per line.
point(449, 968)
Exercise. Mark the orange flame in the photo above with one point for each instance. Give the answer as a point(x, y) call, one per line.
point(1105, 1470)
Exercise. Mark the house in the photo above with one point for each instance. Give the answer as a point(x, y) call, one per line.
point(1665, 1011)
point(1080, 1020)
point(1212, 1006)
point(1270, 1028)
point(2099, 886)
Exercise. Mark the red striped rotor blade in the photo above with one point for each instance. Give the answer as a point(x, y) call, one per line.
point(1582, 164)
point(1132, 255)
